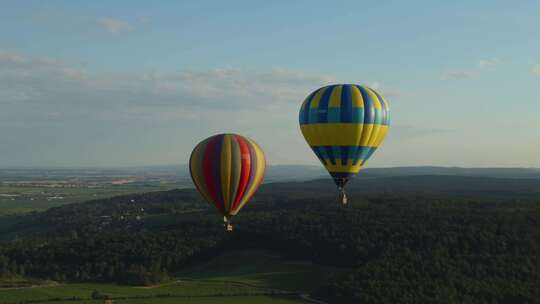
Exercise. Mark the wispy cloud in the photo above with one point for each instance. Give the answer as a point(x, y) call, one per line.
point(51, 95)
point(28, 81)
point(536, 69)
point(25, 79)
point(472, 72)
point(389, 91)
point(6, 57)
point(34, 81)
point(51, 103)
point(487, 63)
point(114, 25)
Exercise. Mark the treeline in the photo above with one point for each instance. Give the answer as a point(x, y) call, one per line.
point(409, 248)
point(113, 240)
point(124, 253)
point(9, 268)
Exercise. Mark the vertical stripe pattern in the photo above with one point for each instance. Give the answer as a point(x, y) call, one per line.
point(227, 169)
point(344, 124)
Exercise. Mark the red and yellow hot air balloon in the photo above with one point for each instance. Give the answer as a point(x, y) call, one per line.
point(227, 169)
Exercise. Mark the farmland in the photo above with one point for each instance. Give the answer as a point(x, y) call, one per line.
point(253, 276)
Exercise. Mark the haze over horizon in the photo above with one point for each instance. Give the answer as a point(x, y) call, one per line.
point(289, 166)
point(89, 84)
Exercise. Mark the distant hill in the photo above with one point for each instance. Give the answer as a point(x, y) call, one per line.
point(433, 170)
point(304, 172)
point(179, 174)
point(449, 186)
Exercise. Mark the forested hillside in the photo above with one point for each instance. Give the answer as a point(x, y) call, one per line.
point(418, 239)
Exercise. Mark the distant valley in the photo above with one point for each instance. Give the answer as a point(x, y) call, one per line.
point(25, 190)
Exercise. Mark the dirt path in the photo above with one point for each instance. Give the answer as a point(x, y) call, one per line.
point(49, 284)
point(309, 299)
point(159, 285)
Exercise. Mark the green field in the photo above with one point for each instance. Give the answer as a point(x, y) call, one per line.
point(19, 199)
point(250, 276)
point(198, 300)
point(178, 289)
point(261, 268)
point(178, 292)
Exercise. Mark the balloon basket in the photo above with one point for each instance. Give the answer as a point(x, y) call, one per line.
point(342, 197)
point(227, 224)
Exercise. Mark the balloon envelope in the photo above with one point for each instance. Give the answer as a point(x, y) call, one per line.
point(227, 169)
point(344, 124)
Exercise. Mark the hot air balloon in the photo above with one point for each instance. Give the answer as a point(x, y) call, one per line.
point(227, 169)
point(344, 124)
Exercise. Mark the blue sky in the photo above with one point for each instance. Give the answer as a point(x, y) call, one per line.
point(103, 83)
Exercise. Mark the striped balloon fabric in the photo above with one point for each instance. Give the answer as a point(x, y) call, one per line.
point(227, 169)
point(344, 124)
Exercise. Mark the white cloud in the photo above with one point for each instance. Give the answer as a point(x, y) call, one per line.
point(114, 25)
point(41, 81)
point(25, 79)
point(482, 64)
point(34, 81)
point(375, 85)
point(11, 58)
point(388, 91)
point(536, 69)
point(487, 63)
point(66, 110)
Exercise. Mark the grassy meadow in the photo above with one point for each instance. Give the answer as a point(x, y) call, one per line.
point(262, 268)
point(252, 276)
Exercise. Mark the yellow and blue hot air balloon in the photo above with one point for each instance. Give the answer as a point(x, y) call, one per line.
point(344, 124)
